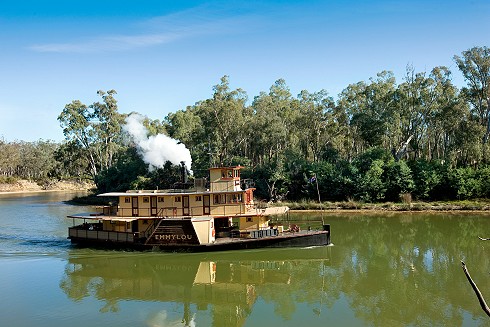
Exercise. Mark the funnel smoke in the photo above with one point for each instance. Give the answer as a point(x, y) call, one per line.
point(155, 150)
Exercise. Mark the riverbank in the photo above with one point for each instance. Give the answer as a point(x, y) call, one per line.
point(25, 186)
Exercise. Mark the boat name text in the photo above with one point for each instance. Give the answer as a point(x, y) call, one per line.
point(168, 237)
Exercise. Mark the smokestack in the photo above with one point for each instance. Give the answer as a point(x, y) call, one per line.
point(183, 172)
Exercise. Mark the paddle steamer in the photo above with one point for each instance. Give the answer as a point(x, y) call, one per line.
point(215, 216)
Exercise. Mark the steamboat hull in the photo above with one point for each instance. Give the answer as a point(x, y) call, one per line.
point(300, 239)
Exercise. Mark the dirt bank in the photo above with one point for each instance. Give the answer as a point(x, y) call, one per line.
point(28, 186)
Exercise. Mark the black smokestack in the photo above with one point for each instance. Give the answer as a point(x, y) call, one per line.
point(183, 173)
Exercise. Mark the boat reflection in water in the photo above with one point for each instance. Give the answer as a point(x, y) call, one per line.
point(220, 290)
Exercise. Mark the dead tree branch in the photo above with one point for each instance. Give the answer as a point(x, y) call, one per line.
point(484, 239)
point(483, 304)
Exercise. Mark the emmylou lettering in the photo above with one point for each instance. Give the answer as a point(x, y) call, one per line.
point(172, 237)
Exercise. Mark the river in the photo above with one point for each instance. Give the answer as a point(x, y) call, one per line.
point(397, 269)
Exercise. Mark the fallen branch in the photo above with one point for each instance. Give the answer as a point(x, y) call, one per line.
point(484, 239)
point(483, 304)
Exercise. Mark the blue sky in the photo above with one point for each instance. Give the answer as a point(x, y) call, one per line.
point(161, 56)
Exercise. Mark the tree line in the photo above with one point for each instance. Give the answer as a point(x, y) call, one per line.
point(423, 137)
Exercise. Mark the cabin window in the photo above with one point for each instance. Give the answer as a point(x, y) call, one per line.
point(177, 199)
point(145, 222)
point(220, 198)
point(128, 225)
point(236, 198)
point(160, 199)
point(249, 219)
point(198, 198)
point(237, 173)
point(127, 199)
point(227, 173)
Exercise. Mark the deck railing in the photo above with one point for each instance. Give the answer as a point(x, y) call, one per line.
point(221, 210)
point(80, 232)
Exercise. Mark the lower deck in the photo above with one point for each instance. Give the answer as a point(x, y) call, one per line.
point(92, 235)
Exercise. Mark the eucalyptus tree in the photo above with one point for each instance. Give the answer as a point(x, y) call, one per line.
point(75, 119)
point(107, 125)
point(475, 66)
point(72, 161)
point(352, 101)
point(273, 125)
point(412, 109)
point(428, 106)
point(369, 108)
point(187, 127)
point(223, 119)
point(9, 158)
point(316, 120)
point(444, 111)
point(37, 159)
point(96, 129)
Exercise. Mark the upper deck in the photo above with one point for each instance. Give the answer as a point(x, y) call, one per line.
point(226, 196)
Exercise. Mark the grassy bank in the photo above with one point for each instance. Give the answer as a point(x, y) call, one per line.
point(464, 205)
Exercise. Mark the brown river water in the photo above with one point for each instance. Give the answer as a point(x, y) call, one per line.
point(397, 269)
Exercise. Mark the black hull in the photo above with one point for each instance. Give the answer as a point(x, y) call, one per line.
point(301, 239)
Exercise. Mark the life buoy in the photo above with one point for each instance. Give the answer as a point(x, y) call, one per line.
point(214, 232)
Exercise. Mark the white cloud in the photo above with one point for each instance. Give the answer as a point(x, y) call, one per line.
point(164, 29)
point(108, 43)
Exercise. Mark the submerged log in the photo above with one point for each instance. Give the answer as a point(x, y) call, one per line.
point(483, 304)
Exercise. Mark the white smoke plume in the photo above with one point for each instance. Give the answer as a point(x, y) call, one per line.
point(155, 150)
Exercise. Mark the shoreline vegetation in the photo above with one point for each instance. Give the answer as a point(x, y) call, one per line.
point(479, 205)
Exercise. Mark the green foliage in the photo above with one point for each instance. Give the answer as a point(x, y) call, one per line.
point(95, 129)
point(364, 161)
point(121, 175)
point(271, 180)
point(131, 173)
point(484, 178)
point(398, 180)
point(465, 183)
point(371, 187)
point(427, 176)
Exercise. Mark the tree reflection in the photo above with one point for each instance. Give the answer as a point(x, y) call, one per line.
point(404, 269)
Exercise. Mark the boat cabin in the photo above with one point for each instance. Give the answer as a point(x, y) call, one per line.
point(200, 214)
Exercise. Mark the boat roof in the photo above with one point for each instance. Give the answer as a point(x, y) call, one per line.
point(166, 192)
point(270, 211)
point(101, 217)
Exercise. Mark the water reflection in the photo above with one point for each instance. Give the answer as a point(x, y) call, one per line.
point(219, 286)
point(384, 270)
point(404, 269)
